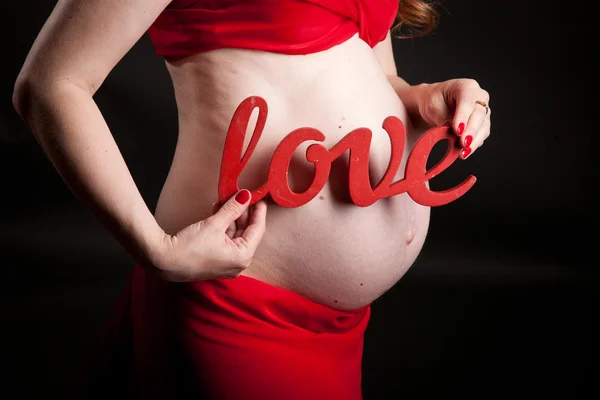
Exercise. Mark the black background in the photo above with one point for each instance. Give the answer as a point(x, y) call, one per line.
point(502, 300)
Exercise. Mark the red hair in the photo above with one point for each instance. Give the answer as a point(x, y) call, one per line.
point(415, 18)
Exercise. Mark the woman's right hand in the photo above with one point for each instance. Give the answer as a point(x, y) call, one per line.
point(220, 246)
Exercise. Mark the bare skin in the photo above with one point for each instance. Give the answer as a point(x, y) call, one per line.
point(329, 250)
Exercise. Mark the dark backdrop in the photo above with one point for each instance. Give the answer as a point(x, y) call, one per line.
point(502, 300)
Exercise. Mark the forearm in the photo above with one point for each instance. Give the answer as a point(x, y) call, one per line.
point(75, 137)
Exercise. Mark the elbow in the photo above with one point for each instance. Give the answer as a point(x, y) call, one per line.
point(22, 95)
point(17, 96)
point(32, 94)
point(27, 94)
point(28, 90)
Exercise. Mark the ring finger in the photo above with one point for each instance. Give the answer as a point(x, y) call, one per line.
point(470, 140)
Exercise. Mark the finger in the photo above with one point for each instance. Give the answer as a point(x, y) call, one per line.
point(480, 137)
point(243, 221)
point(468, 93)
point(231, 230)
point(215, 207)
point(254, 233)
point(435, 111)
point(474, 124)
point(231, 210)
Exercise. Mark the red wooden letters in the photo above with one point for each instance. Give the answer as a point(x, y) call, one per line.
point(358, 142)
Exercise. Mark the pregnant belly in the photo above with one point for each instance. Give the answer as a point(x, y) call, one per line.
point(338, 254)
point(328, 250)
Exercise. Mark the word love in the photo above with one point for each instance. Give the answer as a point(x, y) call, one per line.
point(358, 142)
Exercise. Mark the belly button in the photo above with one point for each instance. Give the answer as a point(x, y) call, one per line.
point(410, 235)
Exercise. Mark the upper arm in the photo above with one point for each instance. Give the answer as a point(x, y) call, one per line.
point(385, 55)
point(83, 40)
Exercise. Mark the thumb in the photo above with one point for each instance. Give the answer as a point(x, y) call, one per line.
point(437, 111)
point(436, 102)
point(232, 209)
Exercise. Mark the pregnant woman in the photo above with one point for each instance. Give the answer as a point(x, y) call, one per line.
point(227, 300)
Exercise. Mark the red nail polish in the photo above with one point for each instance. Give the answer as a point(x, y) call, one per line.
point(243, 196)
point(461, 128)
point(468, 141)
point(465, 152)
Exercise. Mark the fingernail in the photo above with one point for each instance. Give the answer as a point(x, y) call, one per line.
point(468, 141)
point(461, 128)
point(243, 196)
point(465, 152)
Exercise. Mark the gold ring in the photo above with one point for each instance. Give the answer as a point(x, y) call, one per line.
point(483, 104)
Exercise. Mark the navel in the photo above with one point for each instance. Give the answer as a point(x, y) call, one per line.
point(410, 235)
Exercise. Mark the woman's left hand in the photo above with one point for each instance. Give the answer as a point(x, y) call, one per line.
point(462, 104)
